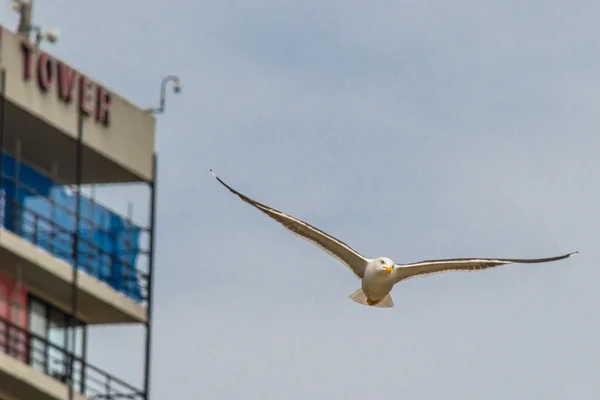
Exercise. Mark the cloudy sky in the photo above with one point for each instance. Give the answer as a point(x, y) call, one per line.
point(411, 129)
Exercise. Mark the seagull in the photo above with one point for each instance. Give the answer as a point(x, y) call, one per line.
point(378, 275)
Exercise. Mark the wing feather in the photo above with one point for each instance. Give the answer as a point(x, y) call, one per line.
point(334, 247)
point(434, 267)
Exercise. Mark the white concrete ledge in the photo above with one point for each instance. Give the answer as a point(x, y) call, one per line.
point(51, 278)
point(19, 381)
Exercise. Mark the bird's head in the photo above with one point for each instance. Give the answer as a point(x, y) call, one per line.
point(385, 264)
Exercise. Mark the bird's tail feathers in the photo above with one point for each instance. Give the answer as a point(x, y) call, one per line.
point(386, 302)
point(361, 298)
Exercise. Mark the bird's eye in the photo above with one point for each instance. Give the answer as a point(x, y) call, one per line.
point(382, 262)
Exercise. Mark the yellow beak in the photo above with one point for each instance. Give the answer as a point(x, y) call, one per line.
point(389, 269)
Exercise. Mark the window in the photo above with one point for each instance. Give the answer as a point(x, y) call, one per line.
point(52, 342)
point(57, 336)
point(37, 326)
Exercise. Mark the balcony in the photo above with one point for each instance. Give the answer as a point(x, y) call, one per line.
point(32, 367)
point(38, 231)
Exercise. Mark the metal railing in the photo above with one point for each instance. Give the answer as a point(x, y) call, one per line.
point(46, 232)
point(54, 361)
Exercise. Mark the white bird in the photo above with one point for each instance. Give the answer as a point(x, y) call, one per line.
point(379, 275)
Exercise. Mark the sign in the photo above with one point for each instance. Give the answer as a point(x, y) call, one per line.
point(92, 99)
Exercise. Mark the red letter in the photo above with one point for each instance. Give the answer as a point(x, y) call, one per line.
point(66, 82)
point(26, 47)
point(103, 106)
point(46, 68)
point(85, 96)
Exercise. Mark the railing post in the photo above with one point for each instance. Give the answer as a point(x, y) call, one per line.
point(83, 361)
point(35, 229)
point(6, 348)
point(52, 235)
point(9, 347)
point(108, 387)
point(68, 364)
point(18, 209)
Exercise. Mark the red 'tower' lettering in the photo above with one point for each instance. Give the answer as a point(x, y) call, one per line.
point(103, 106)
point(85, 96)
point(93, 98)
point(66, 82)
point(46, 69)
point(26, 48)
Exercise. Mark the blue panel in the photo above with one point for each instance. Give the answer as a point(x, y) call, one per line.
point(45, 215)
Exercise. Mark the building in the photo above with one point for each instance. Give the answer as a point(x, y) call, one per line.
point(66, 261)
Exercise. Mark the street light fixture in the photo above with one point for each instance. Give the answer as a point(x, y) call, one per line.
point(48, 35)
point(177, 88)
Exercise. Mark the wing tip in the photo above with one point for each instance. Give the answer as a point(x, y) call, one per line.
point(226, 185)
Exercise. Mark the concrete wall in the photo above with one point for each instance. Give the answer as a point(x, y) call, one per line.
point(55, 93)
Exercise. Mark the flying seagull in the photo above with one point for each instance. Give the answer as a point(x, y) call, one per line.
point(378, 275)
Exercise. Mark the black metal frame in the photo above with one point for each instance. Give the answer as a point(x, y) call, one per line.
point(2, 116)
point(150, 303)
point(72, 359)
point(23, 344)
point(76, 234)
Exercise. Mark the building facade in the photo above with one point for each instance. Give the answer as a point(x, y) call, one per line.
point(66, 261)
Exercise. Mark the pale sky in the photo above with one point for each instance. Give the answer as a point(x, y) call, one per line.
point(408, 129)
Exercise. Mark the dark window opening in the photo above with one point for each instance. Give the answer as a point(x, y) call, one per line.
point(52, 342)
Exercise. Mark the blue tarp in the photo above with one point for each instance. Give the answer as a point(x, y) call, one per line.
point(108, 244)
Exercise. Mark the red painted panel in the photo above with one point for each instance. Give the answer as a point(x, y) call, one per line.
point(13, 308)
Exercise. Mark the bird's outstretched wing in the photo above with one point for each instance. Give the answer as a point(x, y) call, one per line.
point(433, 267)
point(335, 247)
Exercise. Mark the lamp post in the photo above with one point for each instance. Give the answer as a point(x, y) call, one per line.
point(25, 9)
point(163, 92)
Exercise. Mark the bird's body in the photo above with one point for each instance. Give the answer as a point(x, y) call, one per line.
point(377, 282)
point(379, 275)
